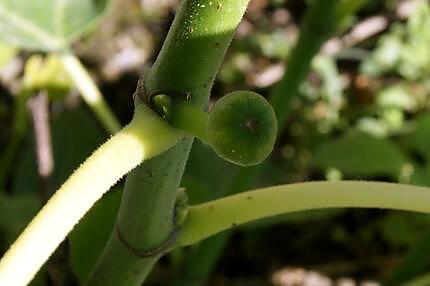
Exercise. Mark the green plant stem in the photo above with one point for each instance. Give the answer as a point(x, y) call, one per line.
point(192, 120)
point(185, 68)
point(213, 217)
point(183, 115)
point(318, 25)
point(89, 92)
point(146, 136)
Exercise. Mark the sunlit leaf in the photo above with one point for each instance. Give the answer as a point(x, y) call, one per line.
point(47, 24)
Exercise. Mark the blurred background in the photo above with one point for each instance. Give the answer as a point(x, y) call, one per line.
point(361, 113)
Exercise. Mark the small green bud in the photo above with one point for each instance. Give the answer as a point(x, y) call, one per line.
point(242, 128)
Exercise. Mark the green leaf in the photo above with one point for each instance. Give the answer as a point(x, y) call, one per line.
point(404, 229)
point(360, 154)
point(420, 176)
point(415, 262)
point(421, 137)
point(15, 213)
point(48, 24)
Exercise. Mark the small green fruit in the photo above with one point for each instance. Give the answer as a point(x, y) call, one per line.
point(242, 128)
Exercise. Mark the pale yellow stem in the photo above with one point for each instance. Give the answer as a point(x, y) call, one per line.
point(207, 219)
point(146, 136)
point(90, 92)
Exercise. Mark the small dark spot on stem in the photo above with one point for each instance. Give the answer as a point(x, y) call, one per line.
point(234, 225)
point(211, 207)
point(249, 198)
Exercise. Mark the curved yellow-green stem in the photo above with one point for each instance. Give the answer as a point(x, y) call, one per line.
point(90, 92)
point(146, 136)
point(210, 218)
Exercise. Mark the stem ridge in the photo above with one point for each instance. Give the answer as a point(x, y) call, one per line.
point(156, 251)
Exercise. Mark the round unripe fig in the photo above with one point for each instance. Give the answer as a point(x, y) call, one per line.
point(242, 128)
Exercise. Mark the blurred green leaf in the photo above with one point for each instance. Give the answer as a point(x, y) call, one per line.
point(421, 136)
point(15, 213)
point(420, 176)
point(403, 229)
point(47, 24)
point(416, 261)
point(360, 154)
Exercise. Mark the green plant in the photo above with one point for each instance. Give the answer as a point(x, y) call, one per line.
point(152, 220)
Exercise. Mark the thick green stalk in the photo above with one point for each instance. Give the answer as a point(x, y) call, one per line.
point(185, 68)
point(142, 219)
point(194, 48)
point(213, 217)
point(318, 25)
